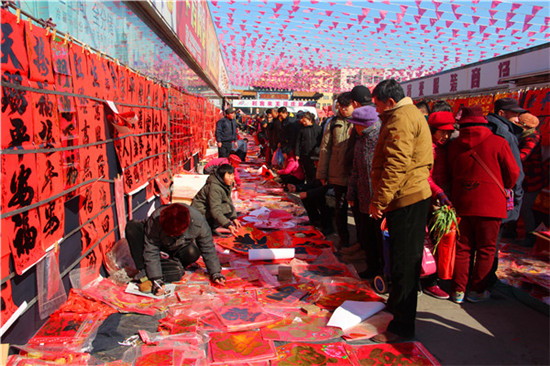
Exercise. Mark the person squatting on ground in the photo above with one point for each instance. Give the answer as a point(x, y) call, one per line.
point(226, 133)
point(307, 145)
point(332, 167)
point(171, 238)
point(481, 166)
point(401, 166)
point(291, 172)
point(214, 200)
point(232, 160)
point(367, 125)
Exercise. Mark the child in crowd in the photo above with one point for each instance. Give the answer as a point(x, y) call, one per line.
point(214, 200)
point(291, 171)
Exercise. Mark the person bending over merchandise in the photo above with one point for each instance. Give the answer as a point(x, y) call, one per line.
point(233, 160)
point(171, 238)
point(214, 200)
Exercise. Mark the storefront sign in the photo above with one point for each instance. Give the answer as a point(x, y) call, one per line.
point(267, 103)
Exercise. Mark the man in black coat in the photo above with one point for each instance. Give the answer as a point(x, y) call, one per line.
point(226, 133)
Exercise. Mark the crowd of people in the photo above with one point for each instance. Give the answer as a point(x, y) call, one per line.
point(385, 158)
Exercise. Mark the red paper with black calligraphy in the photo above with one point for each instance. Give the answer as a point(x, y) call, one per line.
point(22, 232)
point(80, 72)
point(321, 273)
point(40, 54)
point(50, 176)
point(88, 208)
point(97, 79)
point(45, 116)
point(14, 52)
point(90, 265)
point(17, 130)
point(537, 102)
point(249, 315)
point(19, 181)
point(52, 221)
point(331, 354)
point(108, 89)
point(410, 353)
point(239, 347)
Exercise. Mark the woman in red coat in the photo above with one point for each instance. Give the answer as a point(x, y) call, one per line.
point(478, 199)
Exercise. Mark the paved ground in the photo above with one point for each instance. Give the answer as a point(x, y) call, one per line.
point(510, 329)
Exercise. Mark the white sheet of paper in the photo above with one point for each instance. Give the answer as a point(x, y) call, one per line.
point(272, 253)
point(351, 313)
point(133, 288)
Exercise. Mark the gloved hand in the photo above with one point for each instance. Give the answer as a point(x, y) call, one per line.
point(444, 200)
point(218, 278)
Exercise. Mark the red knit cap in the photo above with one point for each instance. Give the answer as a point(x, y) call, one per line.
point(442, 121)
point(472, 115)
point(174, 219)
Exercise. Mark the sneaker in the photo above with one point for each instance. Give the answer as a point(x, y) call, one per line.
point(436, 292)
point(457, 297)
point(474, 296)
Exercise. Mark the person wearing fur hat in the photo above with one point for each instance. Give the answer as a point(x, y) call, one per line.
point(367, 126)
point(232, 160)
point(214, 200)
point(481, 167)
point(171, 238)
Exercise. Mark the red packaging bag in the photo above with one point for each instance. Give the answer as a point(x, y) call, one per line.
point(446, 251)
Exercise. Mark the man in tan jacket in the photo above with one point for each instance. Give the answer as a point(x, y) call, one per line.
point(401, 166)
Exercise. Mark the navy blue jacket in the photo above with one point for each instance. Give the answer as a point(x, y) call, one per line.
point(226, 130)
point(510, 132)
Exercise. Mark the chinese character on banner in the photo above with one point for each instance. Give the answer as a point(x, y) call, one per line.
point(96, 80)
point(19, 181)
point(421, 89)
point(409, 90)
point(503, 71)
point(50, 174)
point(22, 232)
point(17, 130)
point(52, 222)
point(476, 77)
point(40, 54)
point(14, 53)
point(45, 117)
point(436, 86)
point(91, 263)
point(80, 73)
point(107, 245)
point(454, 82)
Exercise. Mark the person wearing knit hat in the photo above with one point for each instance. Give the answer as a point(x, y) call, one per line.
point(180, 232)
point(367, 125)
point(481, 166)
point(441, 126)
